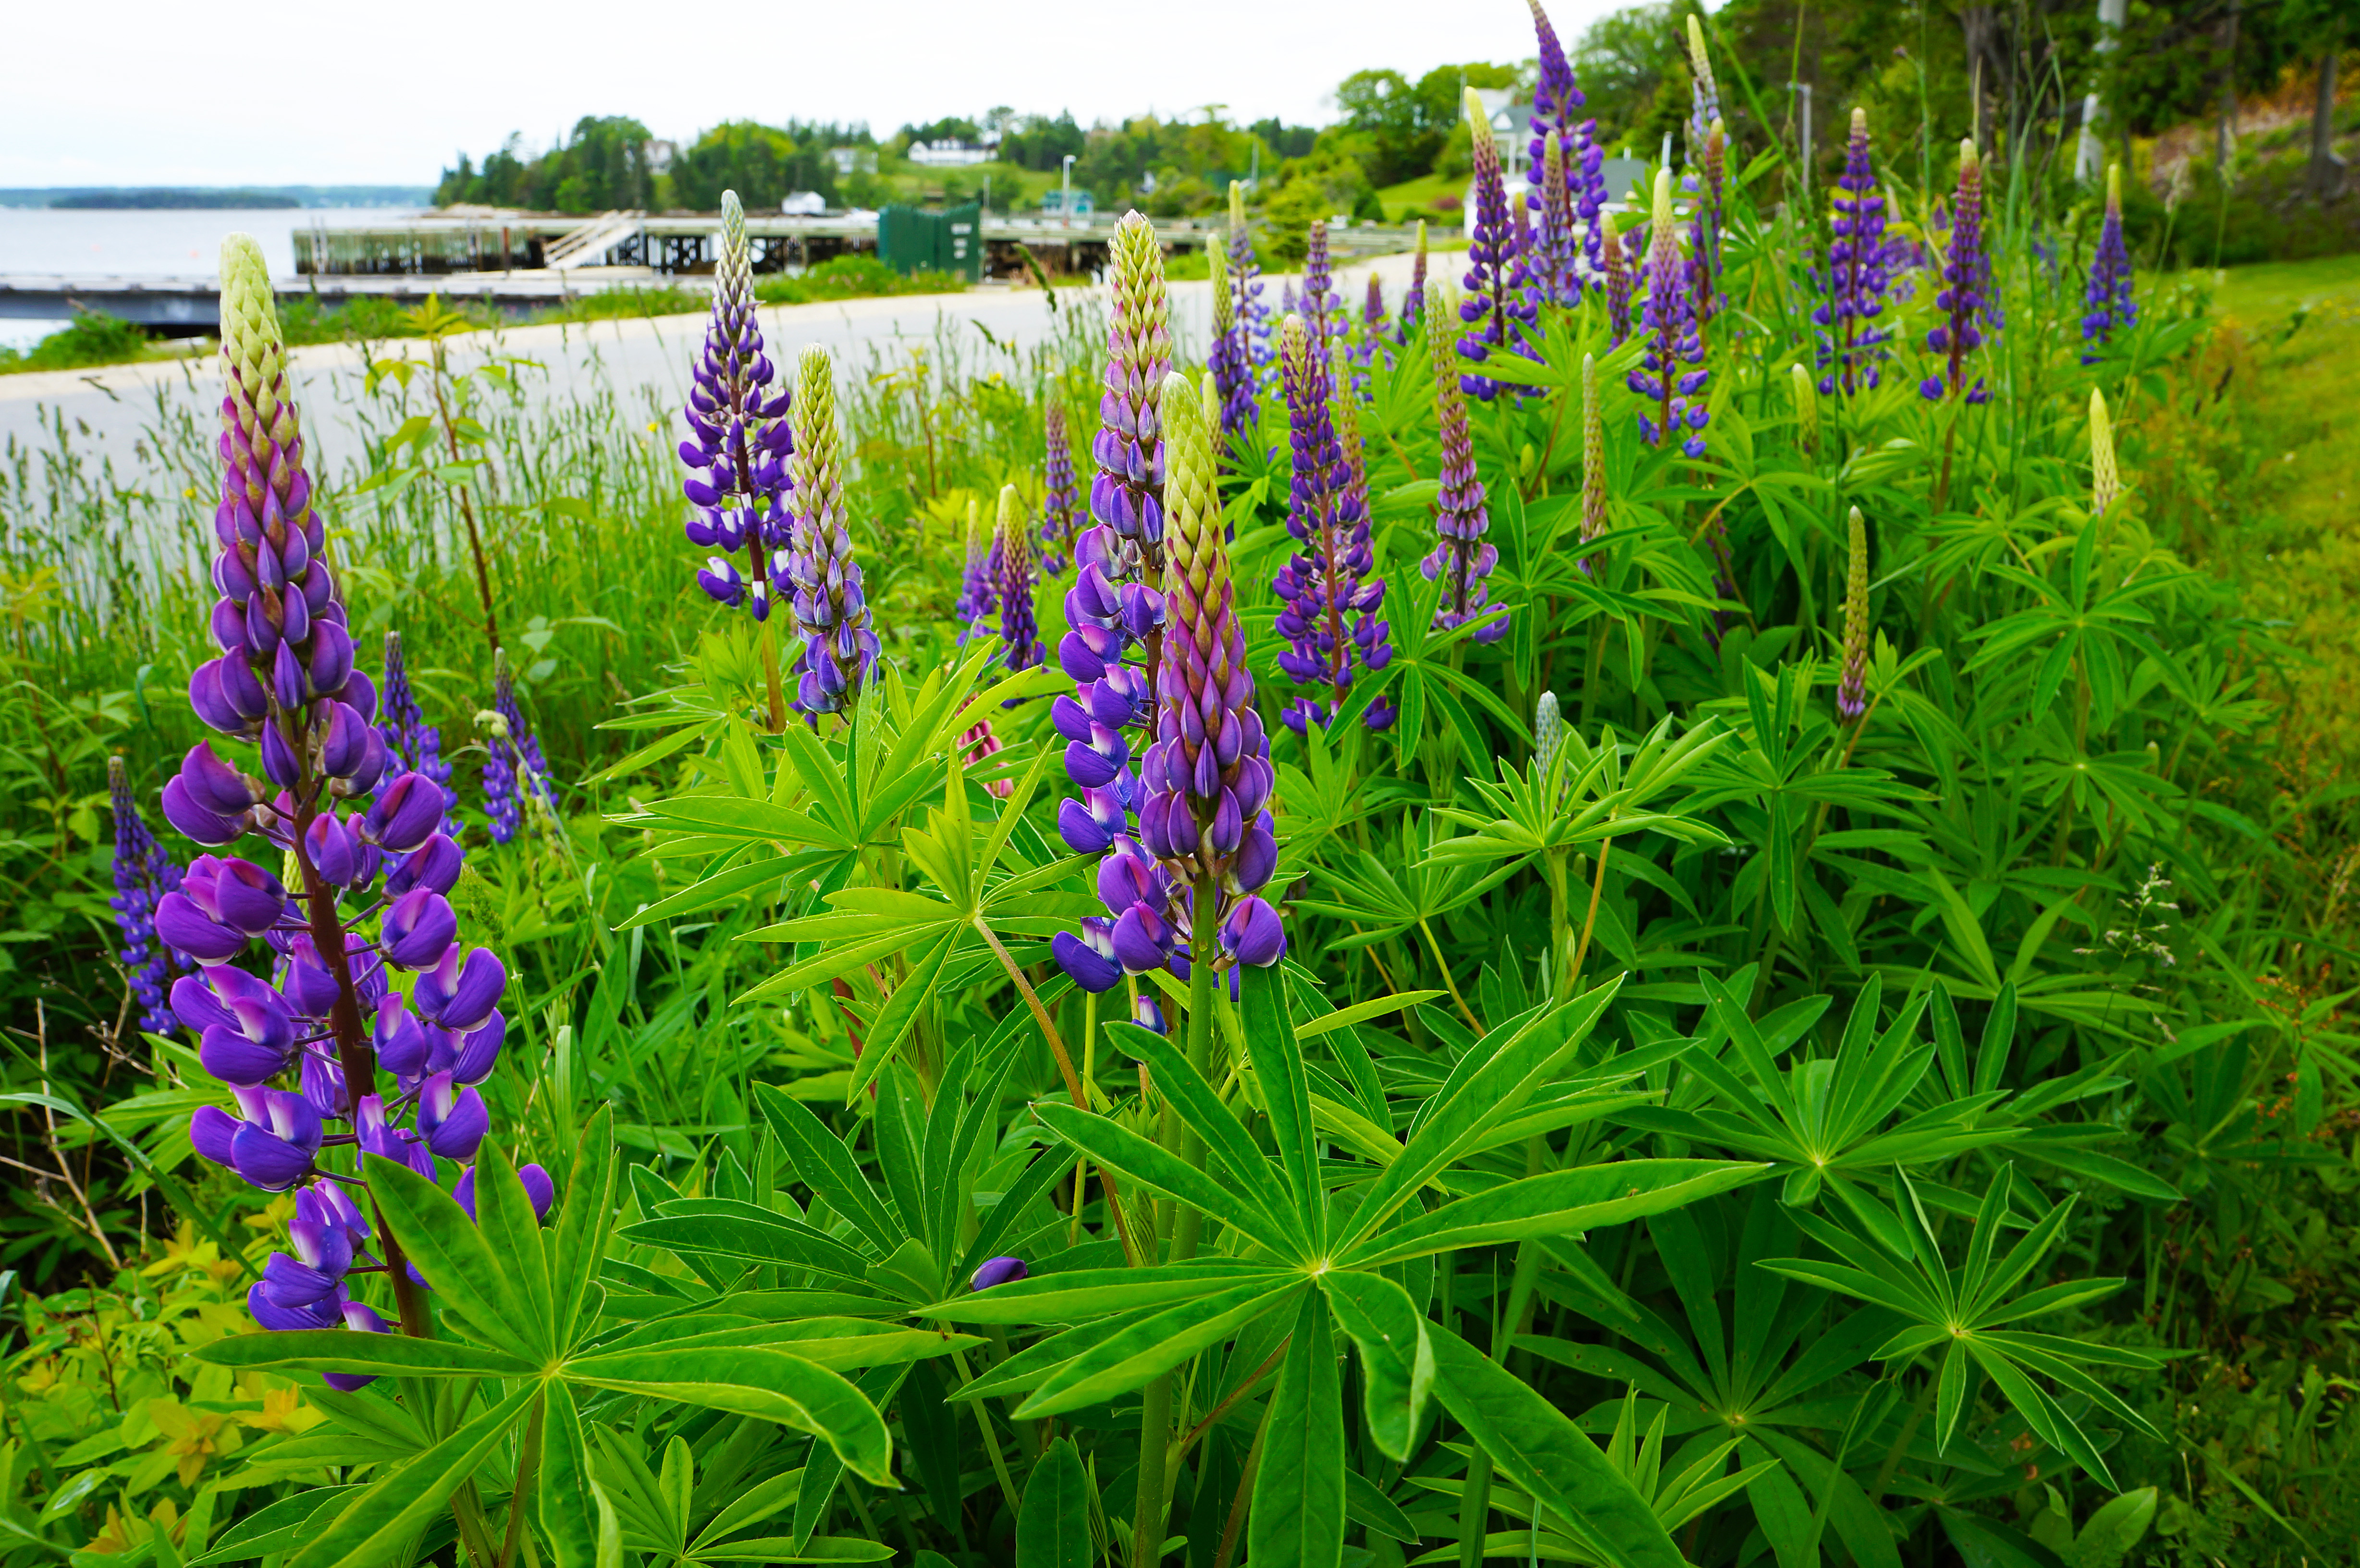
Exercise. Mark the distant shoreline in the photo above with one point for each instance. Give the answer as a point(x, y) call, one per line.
point(174, 201)
point(211, 197)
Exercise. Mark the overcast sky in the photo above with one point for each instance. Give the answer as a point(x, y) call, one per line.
point(172, 91)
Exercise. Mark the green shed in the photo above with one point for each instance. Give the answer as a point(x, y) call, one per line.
point(911, 239)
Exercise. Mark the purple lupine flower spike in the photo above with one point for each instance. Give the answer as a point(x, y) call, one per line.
point(1462, 558)
point(1960, 332)
point(412, 743)
point(1555, 97)
point(1207, 777)
point(1227, 359)
point(1376, 335)
point(1019, 634)
point(144, 875)
point(1852, 693)
point(979, 600)
point(1328, 615)
point(739, 438)
point(1493, 310)
point(1704, 253)
point(1321, 303)
point(515, 772)
point(1412, 310)
point(325, 1017)
point(1245, 292)
point(1552, 267)
point(1851, 344)
point(1672, 375)
point(1061, 501)
point(2108, 296)
point(831, 606)
point(1114, 613)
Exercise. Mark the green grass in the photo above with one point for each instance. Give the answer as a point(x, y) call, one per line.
point(2270, 292)
point(1415, 199)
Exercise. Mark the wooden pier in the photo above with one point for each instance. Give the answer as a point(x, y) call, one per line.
point(677, 244)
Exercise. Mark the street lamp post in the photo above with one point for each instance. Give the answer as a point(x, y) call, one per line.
point(1065, 198)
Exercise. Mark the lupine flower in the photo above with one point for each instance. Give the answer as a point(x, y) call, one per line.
point(1593, 465)
point(740, 437)
point(1705, 251)
point(1412, 310)
point(1851, 344)
point(982, 743)
point(1556, 96)
point(2106, 479)
point(1326, 611)
point(327, 1016)
point(144, 874)
point(1962, 297)
point(413, 743)
point(2109, 292)
point(1206, 837)
point(1851, 695)
point(1462, 558)
point(1670, 315)
point(839, 648)
point(1232, 372)
point(514, 770)
point(1245, 292)
point(1806, 410)
point(1060, 503)
point(997, 1271)
point(979, 600)
point(1113, 610)
point(1019, 634)
point(1492, 312)
point(1618, 282)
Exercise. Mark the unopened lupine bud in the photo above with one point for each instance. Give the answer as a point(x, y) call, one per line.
point(2108, 296)
point(2105, 480)
point(1852, 693)
point(1412, 309)
point(1593, 465)
point(1127, 495)
point(1548, 733)
point(1617, 266)
point(1806, 410)
point(1463, 558)
point(1705, 92)
point(831, 608)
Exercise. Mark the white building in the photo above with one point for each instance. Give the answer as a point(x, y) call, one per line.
point(954, 154)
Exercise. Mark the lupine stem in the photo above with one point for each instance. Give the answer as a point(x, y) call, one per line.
point(466, 503)
point(1155, 1408)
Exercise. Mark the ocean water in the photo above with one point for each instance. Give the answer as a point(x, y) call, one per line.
point(174, 243)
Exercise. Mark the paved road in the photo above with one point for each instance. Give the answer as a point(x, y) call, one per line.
point(108, 408)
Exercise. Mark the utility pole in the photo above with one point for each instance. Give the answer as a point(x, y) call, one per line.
point(2090, 152)
point(1804, 87)
point(1065, 199)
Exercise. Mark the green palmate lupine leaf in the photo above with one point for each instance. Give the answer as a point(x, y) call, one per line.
point(823, 1163)
point(563, 1507)
point(1109, 1144)
point(1053, 1527)
point(1490, 1083)
point(752, 1381)
point(1396, 1359)
point(376, 1355)
point(585, 1220)
point(456, 1261)
point(1536, 1448)
point(1084, 1294)
point(505, 1219)
point(750, 1235)
point(1146, 1349)
point(1248, 1172)
point(1298, 1494)
point(785, 1549)
point(1557, 1203)
point(278, 1528)
point(1277, 1061)
point(377, 1525)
